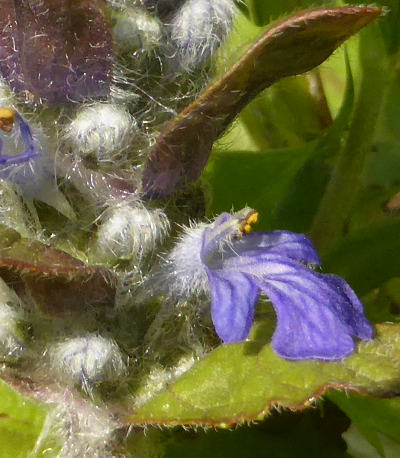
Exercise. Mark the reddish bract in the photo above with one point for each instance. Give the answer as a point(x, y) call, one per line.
point(55, 51)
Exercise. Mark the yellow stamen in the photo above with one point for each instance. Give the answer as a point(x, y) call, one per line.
point(252, 218)
point(7, 116)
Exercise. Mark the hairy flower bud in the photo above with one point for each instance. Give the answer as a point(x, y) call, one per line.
point(87, 360)
point(102, 129)
point(198, 29)
point(136, 29)
point(129, 231)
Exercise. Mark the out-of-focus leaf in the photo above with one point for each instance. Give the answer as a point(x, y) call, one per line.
point(366, 258)
point(21, 421)
point(247, 178)
point(58, 282)
point(371, 416)
point(286, 115)
point(297, 208)
point(291, 47)
point(343, 190)
point(242, 382)
point(359, 447)
point(381, 304)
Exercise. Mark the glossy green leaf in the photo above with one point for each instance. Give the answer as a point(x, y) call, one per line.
point(21, 421)
point(242, 382)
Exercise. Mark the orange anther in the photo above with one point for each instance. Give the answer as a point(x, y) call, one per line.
point(7, 116)
point(252, 218)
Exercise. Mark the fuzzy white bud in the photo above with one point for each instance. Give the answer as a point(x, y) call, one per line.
point(136, 29)
point(130, 231)
point(198, 28)
point(87, 360)
point(102, 129)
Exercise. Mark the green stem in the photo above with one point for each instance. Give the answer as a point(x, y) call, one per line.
point(344, 186)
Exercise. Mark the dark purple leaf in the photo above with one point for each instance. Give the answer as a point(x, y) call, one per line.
point(55, 51)
point(57, 282)
point(291, 47)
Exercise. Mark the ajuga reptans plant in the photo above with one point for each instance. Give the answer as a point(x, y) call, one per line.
point(113, 281)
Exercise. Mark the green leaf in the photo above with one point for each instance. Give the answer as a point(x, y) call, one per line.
point(358, 446)
point(237, 179)
point(343, 189)
point(291, 47)
point(286, 115)
point(366, 258)
point(383, 416)
point(21, 422)
point(242, 382)
point(298, 207)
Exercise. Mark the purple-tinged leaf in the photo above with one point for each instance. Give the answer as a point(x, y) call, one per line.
point(57, 282)
point(291, 47)
point(55, 51)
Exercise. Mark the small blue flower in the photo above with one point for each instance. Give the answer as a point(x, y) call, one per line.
point(317, 315)
point(27, 138)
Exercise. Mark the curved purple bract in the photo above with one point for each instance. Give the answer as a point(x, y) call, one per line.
point(55, 51)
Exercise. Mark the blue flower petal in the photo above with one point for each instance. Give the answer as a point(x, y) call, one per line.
point(317, 315)
point(353, 315)
point(285, 243)
point(233, 299)
point(306, 329)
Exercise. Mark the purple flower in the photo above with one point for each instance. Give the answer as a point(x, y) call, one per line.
point(27, 138)
point(317, 315)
